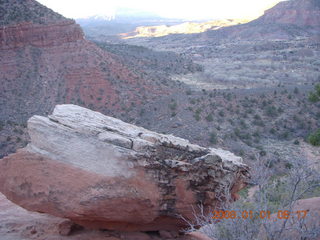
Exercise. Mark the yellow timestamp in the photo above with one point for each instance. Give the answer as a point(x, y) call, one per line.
point(281, 214)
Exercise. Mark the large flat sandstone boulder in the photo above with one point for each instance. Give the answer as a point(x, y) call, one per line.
point(101, 172)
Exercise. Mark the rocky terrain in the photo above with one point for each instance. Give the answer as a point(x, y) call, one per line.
point(254, 64)
point(241, 88)
point(102, 173)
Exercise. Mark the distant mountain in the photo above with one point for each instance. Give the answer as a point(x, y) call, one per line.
point(286, 20)
point(124, 20)
point(182, 28)
point(123, 15)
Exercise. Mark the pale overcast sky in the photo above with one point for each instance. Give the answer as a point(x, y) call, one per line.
point(199, 9)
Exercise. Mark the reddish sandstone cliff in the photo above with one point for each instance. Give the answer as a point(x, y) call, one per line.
point(37, 35)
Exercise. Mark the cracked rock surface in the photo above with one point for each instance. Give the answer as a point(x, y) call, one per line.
point(103, 173)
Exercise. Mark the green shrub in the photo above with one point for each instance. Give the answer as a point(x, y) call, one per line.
point(313, 97)
point(262, 153)
point(197, 116)
point(221, 113)
point(209, 118)
point(314, 139)
point(271, 111)
point(173, 106)
point(213, 138)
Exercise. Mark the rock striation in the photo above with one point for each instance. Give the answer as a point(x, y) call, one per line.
point(103, 173)
point(37, 35)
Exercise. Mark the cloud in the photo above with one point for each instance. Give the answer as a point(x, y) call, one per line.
point(166, 8)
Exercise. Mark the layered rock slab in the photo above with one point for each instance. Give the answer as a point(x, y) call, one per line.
point(101, 172)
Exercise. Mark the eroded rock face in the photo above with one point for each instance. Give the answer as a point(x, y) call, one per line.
point(103, 173)
point(26, 33)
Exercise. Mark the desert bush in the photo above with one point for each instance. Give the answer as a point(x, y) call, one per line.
point(296, 142)
point(314, 138)
point(209, 117)
point(173, 105)
point(213, 138)
point(188, 92)
point(315, 96)
point(197, 116)
point(271, 111)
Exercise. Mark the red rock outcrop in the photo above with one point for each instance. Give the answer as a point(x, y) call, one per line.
point(103, 173)
point(37, 35)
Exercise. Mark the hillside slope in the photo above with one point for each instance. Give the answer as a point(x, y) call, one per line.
point(286, 20)
point(46, 60)
point(14, 11)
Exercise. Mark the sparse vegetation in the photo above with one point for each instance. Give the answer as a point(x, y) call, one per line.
point(12, 12)
point(272, 194)
point(314, 97)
